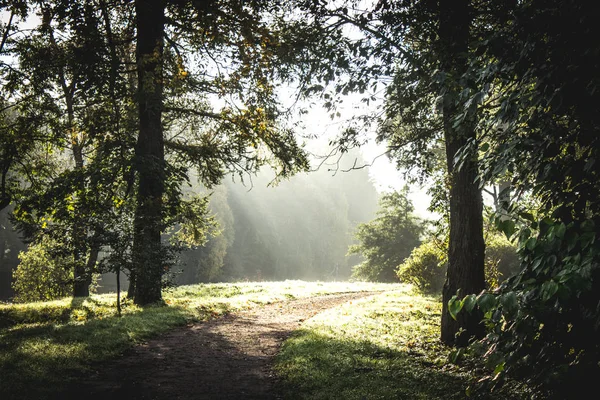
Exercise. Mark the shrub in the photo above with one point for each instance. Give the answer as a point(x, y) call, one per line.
point(40, 276)
point(501, 259)
point(425, 267)
point(388, 239)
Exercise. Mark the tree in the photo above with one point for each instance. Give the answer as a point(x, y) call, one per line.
point(75, 191)
point(424, 49)
point(148, 257)
point(241, 137)
point(466, 250)
point(217, 115)
point(388, 240)
point(541, 130)
point(14, 142)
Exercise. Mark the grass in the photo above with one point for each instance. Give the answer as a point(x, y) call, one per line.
point(381, 347)
point(45, 346)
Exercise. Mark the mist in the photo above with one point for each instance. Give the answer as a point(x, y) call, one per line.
point(300, 228)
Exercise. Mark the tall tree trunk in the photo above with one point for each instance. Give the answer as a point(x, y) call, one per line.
point(466, 248)
point(147, 252)
point(82, 276)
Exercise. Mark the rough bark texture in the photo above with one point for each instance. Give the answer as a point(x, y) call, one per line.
point(147, 253)
point(466, 247)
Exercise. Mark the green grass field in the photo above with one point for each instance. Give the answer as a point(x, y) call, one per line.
point(46, 345)
point(382, 347)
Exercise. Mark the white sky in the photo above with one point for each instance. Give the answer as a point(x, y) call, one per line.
point(383, 172)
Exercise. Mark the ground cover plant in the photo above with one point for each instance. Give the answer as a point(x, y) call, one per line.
point(381, 347)
point(44, 346)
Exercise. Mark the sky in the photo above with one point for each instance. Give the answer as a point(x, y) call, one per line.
point(317, 122)
point(382, 170)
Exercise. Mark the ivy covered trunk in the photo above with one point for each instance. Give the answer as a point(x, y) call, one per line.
point(150, 159)
point(466, 247)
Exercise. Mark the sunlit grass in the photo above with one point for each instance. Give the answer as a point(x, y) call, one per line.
point(45, 345)
point(382, 347)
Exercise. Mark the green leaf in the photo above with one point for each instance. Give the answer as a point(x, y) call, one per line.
point(572, 241)
point(549, 289)
point(508, 227)
point(499, 368)
point(536, 263)
point(454, 306)
point(469, 302)
point(560, 230)
point(486, 302)
point(587, 225)
point(530, 244)
point(455, 355)
point(485, 147)
point(548, 221)
point(509, 302)
point(527, 216)
point(586, 239)
point(551, 261)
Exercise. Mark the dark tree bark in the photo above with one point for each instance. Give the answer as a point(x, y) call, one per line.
point(150, 164)
point(466, 248)
point(82, 276)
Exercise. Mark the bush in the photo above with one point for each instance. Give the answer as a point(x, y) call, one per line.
point(501, 259)
point(425, 267)
point(40, 276)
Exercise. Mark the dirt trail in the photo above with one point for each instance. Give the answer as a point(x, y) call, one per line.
point(225, 358)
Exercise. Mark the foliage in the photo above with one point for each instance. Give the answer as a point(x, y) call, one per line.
point(422, 50)
point(78, 109)
point(204, 262)
point(387, 240)
point(425, 267)
point(47, 346)
point(41, 275)
point(382, 347)
point(541, 129)
point(501, 259)
point(300, 229)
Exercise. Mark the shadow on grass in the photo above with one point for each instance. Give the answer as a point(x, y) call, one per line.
point(315, 366)
point(41, 359)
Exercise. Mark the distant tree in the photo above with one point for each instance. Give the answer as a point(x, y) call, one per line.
point(388, 240)
point(300, 228)
point(204, 262)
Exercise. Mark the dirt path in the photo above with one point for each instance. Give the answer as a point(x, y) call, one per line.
point(226, 358)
